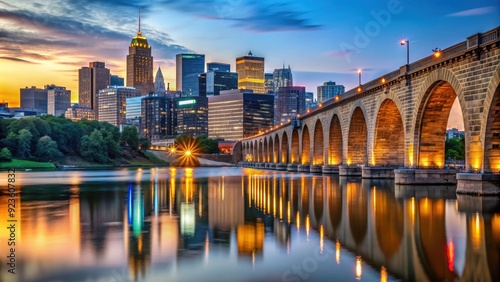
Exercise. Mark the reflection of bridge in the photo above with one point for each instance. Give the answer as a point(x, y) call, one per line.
point(412, 238)
point(401, 118)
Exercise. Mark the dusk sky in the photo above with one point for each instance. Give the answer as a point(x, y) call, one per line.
point(46, 42)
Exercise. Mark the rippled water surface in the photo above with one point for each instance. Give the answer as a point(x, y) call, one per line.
point(235, 224)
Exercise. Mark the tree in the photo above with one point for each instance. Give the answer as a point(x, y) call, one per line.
point(208, 145)
point(114, 150)
point(24, 143)
point(93, 147)
point(455, 148)
point(47, 149)
point(5, 155)
point(144, 144)
point(130, 136)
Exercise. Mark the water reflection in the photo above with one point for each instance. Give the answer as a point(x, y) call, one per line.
point(160, 224)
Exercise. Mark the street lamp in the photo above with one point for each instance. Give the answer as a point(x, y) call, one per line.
point(359, 75)
point(407, 43)
point(437, 53)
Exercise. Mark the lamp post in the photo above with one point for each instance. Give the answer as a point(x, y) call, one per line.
point(407, 43)
point(437, 52)
point(359, 76)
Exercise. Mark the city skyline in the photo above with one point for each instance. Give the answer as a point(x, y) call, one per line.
point(47, 43)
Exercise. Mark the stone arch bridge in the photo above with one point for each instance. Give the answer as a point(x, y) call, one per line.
point(399, 119)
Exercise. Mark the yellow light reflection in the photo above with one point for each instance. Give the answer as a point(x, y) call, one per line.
point(307, 227)
point(321, 238)
point(383, 274)
point(288, 211)
point(476, 232)
point(297, 220)
point(410, 154)
point(281, 208)
point(359, 270)
point(337, 251)
point(412, 210)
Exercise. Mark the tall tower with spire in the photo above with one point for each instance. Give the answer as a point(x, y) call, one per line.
point(159, 82)
point(140, 63)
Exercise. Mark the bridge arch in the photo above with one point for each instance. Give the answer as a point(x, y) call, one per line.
point(358, 136)
point(276, 148)
point(437, 95)
point(389, 137)
point(357, 211)
point(490, 129)
point(295, 158)
point(284, 148)
point(389, 221)
point(270, 148)
point(251, 152)
point(259, 150)
point(306, 146)
point(264, 149)
point(318, 143)
point(335, 140)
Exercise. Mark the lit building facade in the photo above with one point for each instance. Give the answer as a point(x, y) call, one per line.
point(221, 67)
point(329, 90)
point(290, 101)
point(159, 82)
point(218, 81)
point(192, 116)
point(236, 114)
point(91, 79)
point(269, 83)
point(140, 64)
point(77, 112)
point(188, 67)
point(58, 100)
point(133, 111)
point(282, 78)
point(310, 102)
point(156, 117)
point(112, 104)
point(250, 71)
point(34, 99)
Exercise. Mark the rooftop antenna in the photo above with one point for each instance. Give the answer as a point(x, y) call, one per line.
point(139, 32)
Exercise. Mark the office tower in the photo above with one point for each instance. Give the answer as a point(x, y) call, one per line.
point(112, 103)
point(116, 80)
point(91, 79)
point(329, 90)
point(282, 78)
point(187, 69)
point(76, 112)
point(156, 117)
point(133, 111)
point(34, 99)
point(58, 100)
point(217, 81)
point(140, 64)
point(159, 82)
point(192, 116)
point(236, 114)
point(290, 101)
point(202, 84)
point(310, 102)
point(220, 67)
point(250, 71)
point(269, 83)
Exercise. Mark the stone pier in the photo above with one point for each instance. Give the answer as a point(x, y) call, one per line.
point(425, 176)
point(291, 167)
point(281, 167)
point(330, 169)
point(478, 184)
point(350, 170)
point(315, 169)
point(303, 168)
point(377, 172)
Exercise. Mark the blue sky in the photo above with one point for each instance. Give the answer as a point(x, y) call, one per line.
point(320, 40)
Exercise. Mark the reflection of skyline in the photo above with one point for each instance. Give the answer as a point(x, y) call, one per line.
point(139, 225)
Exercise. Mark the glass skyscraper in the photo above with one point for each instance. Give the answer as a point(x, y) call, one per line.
point(192, 116)
point(217, 81)
point(236, 114)
point(188, 67)
point(329, 90)
point(290, 101)
point(218, 67)
point(91, 79)
point(250, 71)
point(112, 103)
point(156, 117)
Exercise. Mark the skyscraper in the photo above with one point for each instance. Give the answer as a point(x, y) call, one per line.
point(58, 100)
point(250, 71)
point(156, 117)
point(290, 101)
point(282, 78)
point(34, 99)
point(159, 82)
point(91, 79)
point(217, 81)
point(221, 67)
point(112, 104)
point(140, 64)
point(188, 67)
point(116, 80)
point(269, 83)
point(329, 90)
point(192, 115)
point(236, 114)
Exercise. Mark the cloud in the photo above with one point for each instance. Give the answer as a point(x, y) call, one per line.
point(474, 12)
point(339, 53)
point(16, 60)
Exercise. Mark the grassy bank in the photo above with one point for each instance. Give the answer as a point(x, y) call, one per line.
point(24, 164)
